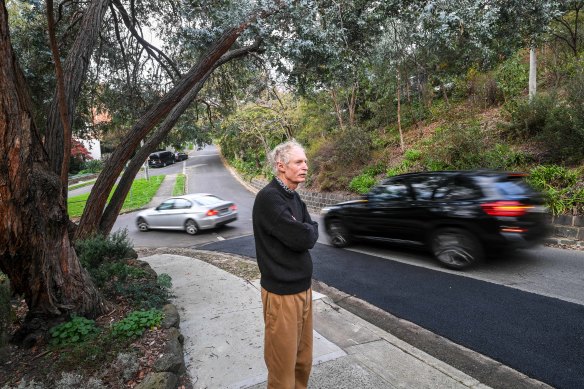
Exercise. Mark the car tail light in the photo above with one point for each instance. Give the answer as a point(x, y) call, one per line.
point(212, 212)
point(505, 208)
point(233, 207)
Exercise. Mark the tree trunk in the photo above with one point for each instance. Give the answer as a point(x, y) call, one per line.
point(399, 128)
point(96, 202)
point(75, 71)
point(532, 72)
point(338, 108)
point(35, 250)
point(353, 104)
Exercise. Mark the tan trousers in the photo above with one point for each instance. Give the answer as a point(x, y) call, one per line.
point(288, 339)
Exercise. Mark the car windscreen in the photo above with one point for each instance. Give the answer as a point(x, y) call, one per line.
point(209, 200)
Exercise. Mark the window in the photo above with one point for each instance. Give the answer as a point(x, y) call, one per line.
point(457, 189)
point(424, 187)
point(168, 204)
point(182, 204)
point(390, 191)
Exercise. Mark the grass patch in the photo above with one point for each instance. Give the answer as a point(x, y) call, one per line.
point(179, 185)
point(140, 194)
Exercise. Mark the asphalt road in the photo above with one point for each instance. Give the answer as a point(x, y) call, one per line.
point(526, 311)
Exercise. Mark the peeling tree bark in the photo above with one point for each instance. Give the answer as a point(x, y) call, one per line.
point(35, 250)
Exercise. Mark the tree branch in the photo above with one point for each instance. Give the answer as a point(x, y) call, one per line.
point(63, 111)
point(122, 49)
point(113, 208)
point(151, 49)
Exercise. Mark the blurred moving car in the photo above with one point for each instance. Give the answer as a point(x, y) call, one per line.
point(456, 214)
point(191, 213)
point(180, 156)
point(160, 159)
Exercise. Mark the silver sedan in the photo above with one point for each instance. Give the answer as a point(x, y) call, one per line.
point(191, 213)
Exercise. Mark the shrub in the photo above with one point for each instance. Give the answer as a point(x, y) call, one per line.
point(118, 271)
point(551, 122)
point(146, 294)
point(77, 330)
point(362, 183)
point(512, 76)
point(481, 88)
point(134, 325)
point(562, 187)
point(502, 157)
point(528, 118)
point(91, 166)
point(458, 147)
point(92, 252)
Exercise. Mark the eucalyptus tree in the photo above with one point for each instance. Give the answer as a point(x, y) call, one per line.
point(566, 27)
point(36, 236)
point(525, 23)
point(345, 34)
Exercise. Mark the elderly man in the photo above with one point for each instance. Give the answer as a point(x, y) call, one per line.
point(284, 232)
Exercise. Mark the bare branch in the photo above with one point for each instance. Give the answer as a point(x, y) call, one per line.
point(120, 41)
point(151, 49)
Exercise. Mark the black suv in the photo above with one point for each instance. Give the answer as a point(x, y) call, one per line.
point(160, 159)
point(456, 214)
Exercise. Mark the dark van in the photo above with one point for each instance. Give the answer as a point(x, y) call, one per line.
point(161, 159)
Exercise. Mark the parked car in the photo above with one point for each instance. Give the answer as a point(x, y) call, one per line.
point(191, 213)
point(180, 156)
point(160, 159)
point(456, 214)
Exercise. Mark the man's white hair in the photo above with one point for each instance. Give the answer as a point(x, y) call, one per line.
point(282, 152)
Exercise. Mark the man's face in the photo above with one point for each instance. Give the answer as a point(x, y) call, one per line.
point(294, 172)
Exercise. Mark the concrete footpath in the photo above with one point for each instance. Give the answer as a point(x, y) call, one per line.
point(222, 322)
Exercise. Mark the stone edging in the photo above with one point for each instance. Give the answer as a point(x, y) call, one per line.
point(168, 368)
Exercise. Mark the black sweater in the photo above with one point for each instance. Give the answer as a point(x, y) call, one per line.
point(283, 234)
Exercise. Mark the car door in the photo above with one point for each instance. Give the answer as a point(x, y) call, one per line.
point(423, 211)
point(177, 216)
point(389, 208)
point(161, 217)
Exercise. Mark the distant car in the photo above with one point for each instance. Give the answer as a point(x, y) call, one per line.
point(180, 156)
point(456, 214)
point(191, 213)
point(160, 159)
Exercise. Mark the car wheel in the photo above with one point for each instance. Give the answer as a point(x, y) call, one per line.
point(191, 227)
point(339, 236)
point(142, 225)
point(456, 248)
